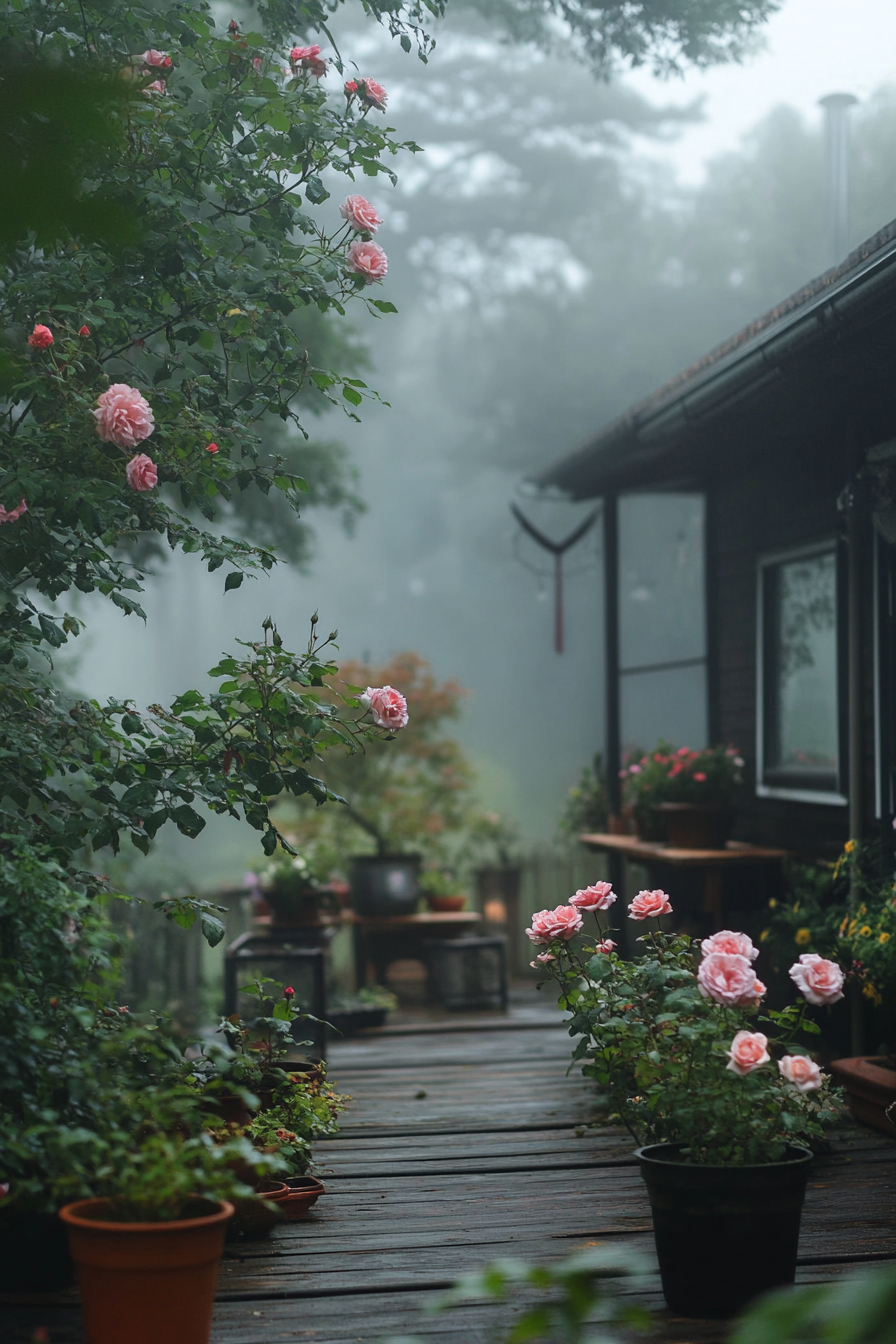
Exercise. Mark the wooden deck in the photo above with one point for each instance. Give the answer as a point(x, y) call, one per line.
point(461, 1147)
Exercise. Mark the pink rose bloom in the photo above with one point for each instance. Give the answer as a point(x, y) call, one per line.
point(123, 416)
point(820, 981)
point(699, 776)
point(157, 58)
point(600, 896)
point(13, 515)
point(542, 959)
point(157, 86)
point(141, 473)
point(649, 905)
point(800, 1070)
point(368, 259)
point(350, 86)
point(606, 946)
point(308, 58)
point(737, 944)
point(373, 94)
point(360, 214)
point(728, 978)
point(564, 922)
point(388, 707)
point(748, 1052)
point(41, 337)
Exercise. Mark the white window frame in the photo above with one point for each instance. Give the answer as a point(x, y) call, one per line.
point(823, 797)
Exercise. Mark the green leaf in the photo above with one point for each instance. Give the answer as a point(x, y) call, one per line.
point(233, 580)
point(352, 396)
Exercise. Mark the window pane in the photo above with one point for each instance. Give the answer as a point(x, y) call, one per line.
point(670, 705)
point(801, 731)
point(661, 599)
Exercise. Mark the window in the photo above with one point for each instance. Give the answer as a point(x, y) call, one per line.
point(662, 620)
point(800, 711)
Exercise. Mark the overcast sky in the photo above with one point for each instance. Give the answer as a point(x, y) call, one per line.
point(811, 48)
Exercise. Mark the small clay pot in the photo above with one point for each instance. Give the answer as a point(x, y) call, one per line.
point(227, 1107)
point(303, 1192)
point(256, 1217)
point(442, 905)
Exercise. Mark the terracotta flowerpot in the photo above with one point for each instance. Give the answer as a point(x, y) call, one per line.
point(303, 1192)
point(444, 904)
point(256, 1217)
point(147, 1282)
point(870, 1083)
point(698, 825)
point(723, 1234)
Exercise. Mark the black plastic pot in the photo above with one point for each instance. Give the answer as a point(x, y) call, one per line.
point(348, 1021)
point(723, 1234)
point(385, 884)
point(34, 1256)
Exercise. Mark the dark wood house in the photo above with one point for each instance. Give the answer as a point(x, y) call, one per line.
point(749, 513)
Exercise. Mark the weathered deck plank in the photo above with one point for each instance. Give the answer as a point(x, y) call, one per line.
point(492, 1161)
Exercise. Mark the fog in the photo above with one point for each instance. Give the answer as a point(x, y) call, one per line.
point(559, 249)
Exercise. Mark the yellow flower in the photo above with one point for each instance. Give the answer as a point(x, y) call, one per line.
point(772, 903)
point(853, 925)
point(764, 934)
point(850, 847)
point(233, 312)
point(803, 937)
point(884, 938)
point(863, 909)
point(870, 992)
point(865, 931)
point(843, 926)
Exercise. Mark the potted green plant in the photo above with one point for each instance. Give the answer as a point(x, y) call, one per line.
point(369, 1007)
point(691, 794)
point(297, 890)
point(440, 887)
point(147, 1245)
point(724, 1105)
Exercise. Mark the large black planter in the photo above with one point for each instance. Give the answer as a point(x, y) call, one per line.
point(385, 884)
point(723, 1234)
point(34, 1256)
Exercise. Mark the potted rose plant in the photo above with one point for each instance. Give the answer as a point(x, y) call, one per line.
point(723, 1103)
point(690, 794)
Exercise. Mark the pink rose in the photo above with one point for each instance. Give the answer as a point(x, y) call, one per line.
point(373, 94)
point(564, 922)
point(13, 515)
point(800, 1070)
point(728, 978)
point(542, 959)
point(736, 944)
point(606, 946)
point(748, 1052)
point(157, 86)
point(360, 214)
point(599, 896)
point(308, 59)
point(388, 707)
point(141, 473)
point(123, 416)
point(156, 58)
point(351, 87)
point(820, 981)
point(41, 337)
point(368, 259)
point(649, 905)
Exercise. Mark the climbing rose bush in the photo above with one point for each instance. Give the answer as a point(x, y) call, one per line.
point(677, 1039)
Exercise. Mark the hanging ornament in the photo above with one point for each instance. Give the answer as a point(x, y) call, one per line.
point(557, 549)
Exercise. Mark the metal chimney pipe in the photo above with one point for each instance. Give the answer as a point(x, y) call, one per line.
point(836, 107)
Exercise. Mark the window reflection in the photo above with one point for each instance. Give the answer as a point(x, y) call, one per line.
point(801, 706)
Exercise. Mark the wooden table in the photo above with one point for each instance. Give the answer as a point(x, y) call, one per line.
point(380, 939)
point(712, 863)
